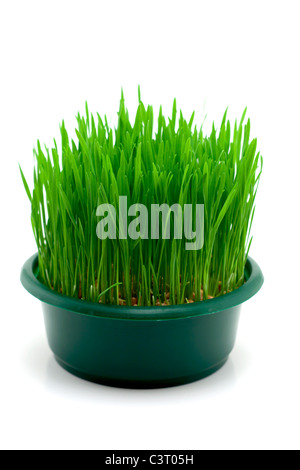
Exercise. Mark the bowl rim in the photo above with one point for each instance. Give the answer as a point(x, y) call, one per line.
point(253, 282)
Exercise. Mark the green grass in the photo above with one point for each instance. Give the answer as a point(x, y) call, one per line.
point(169, 162)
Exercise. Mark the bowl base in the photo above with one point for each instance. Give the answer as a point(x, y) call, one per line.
point(143, 383)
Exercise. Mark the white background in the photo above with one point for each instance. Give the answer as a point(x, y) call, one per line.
point(209, 54)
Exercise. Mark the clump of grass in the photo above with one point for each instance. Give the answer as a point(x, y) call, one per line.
point(174, 163)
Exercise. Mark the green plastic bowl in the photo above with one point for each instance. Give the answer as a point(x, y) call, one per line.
point(145, 347)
